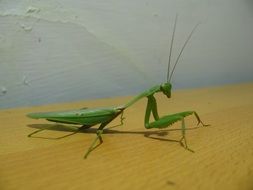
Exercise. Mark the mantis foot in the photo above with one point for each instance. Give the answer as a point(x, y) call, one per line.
point(93, 145)
point(183, 143)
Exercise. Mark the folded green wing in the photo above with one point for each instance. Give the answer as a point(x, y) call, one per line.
point(89, 116)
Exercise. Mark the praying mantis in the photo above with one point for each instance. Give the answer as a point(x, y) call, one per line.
point(89, 117)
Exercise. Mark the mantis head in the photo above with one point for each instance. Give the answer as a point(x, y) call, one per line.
point(166, 89)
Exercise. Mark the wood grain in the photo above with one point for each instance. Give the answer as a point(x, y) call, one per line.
point(132, 157)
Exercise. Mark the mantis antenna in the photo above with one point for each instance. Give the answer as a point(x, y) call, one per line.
point(182, 49)
point(171, 45)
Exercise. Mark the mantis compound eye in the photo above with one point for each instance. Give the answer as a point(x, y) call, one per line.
point(166, 89)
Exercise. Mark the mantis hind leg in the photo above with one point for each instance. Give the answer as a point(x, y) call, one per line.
point(93, 144)
point(98, 137)
point(100, 132)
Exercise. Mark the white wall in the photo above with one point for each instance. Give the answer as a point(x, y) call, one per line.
point(55, 51)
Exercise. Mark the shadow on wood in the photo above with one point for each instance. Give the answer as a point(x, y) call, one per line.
point(74, 130)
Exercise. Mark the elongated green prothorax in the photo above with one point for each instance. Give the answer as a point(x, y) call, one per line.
point(165, 88)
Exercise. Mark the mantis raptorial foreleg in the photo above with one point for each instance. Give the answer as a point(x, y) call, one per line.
point(168, 120)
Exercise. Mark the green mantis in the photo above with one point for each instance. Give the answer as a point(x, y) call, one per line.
point(89, 117)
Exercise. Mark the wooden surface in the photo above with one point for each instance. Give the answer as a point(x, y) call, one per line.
point(132, 157)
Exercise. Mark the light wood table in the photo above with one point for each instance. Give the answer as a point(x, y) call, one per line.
point(132, 157)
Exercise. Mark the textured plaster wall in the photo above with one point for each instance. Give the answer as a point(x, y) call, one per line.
point(55, 51)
